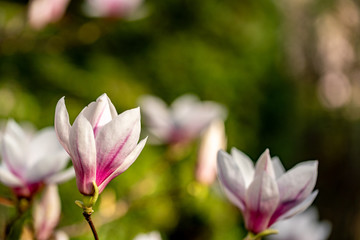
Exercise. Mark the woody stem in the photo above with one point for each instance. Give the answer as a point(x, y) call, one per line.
point(91, 224)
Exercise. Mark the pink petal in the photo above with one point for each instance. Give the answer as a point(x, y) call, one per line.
point(262, 198)
point(115, 141)
point(231, 179)
point(62, 124)
point(295, 186)
point(125, 164)
point(300, 207)
point(83, 154)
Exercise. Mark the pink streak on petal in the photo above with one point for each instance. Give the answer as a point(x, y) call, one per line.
point(285, 206)
point(104, 171)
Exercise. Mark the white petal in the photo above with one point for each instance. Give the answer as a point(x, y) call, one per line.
point(213, 139)
point(99, 113)
point(43, 12)
point(245, 165)
point(149, 236)
point(264, 163)
point(298, 182)
point(62, 124)
point(13, 154)
point(278, 167)
point(61, 177)
point(9, 179)
point(83, 154)
point(156, 116)
point(45, 154)
point(125, 164)
point(231, 179)
point(61, 235)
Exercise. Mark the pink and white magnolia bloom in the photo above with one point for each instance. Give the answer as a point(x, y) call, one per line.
point(112, 8)
point(101, 143)
point(43, 12)
point(304, 226)
point(212, 141)
point(31, 160)
point(266, 194)
point(182, 122)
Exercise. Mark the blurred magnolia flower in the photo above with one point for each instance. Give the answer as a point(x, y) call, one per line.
point(43, 12)
point(112, 8)
point(101, 143)
point(149, 236)
point(47, 213)
point(304, 226)
point(182, 122)
point(30, 161)
point(266, 194)
point(212, 141)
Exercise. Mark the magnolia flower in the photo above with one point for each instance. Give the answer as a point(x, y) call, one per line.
point(212, 141)
point(47, 213)
point(101, 143)
point(30, 161)
point(182, 122)
point(302, 227)
point(43, 12)
point(112, 8)
point(265, 194)
point(150, 236)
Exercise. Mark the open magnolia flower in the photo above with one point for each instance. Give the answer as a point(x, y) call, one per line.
point(182, 122)
point(266, 193)
point(101, 143)
point(31, 160)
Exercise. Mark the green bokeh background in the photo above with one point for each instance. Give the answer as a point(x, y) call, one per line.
point(231, 52)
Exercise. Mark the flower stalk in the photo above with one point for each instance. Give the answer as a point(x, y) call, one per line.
point(87, 206)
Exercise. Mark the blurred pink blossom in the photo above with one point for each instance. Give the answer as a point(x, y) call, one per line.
point(30, 161)
point(212, 141)
point(266, 194)
point(43, 12)
point(182, 122)
point(101, 143)
point(112, 8)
